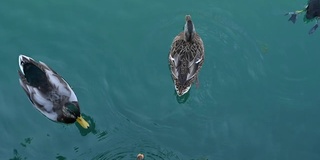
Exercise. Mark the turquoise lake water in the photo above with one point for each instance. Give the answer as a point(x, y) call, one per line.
point(258, 97)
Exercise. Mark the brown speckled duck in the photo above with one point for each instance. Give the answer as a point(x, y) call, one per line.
point(186, 57)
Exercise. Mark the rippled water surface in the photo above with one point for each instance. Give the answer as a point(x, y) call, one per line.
point(258, 97)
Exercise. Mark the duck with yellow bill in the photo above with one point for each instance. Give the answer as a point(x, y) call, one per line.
point(48, 92)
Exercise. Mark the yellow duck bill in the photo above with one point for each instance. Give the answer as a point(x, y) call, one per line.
point(83, 122)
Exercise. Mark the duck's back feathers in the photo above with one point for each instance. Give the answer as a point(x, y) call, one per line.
point(37, 98)
point(35, 77)
point(185, 59)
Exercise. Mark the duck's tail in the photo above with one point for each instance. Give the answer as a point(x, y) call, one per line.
point(32, 73)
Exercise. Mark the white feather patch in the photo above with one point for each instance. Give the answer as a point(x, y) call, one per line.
point(62, 85)
point(43, 64)
point(37, 97)
point(53, 116)
point(53, 79)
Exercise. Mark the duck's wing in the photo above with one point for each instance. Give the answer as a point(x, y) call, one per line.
point(186, 59)
point(33, 75)
point(195, 58)
point(44, 105)
point(38, 98)
point(174, 64)
point(175, 54)
point(23, 82)
point(59, 84)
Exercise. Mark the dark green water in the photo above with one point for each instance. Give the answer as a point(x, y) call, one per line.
point(258, 97)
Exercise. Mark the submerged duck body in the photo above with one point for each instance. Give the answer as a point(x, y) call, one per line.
point(312, 10)
point(49, 92)
point(186, 57)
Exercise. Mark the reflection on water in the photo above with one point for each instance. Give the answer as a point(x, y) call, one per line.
point(202, 158)
point(76, 149)
point(59, 157)
point(26, 142)
point(183, 98)
point(102, 135)
point(264, 47)
point(92, 127)
point(17, 156)
point(130, 150)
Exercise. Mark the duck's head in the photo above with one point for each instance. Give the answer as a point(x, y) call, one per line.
point(71, 113)
point(189, 29)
